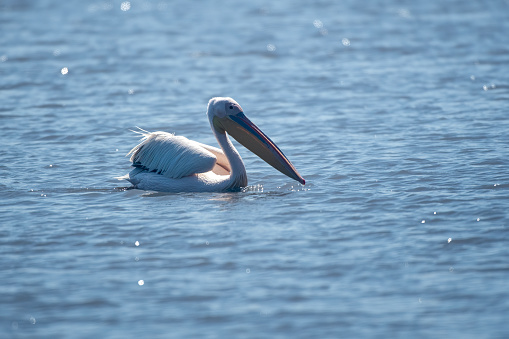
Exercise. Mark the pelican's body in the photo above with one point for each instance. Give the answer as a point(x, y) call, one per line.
point(168, 163)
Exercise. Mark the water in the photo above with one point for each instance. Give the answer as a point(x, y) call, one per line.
point(395, 113)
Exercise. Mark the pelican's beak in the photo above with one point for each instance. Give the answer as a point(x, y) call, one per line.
point(251, 137)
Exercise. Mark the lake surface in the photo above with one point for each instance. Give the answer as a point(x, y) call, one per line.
point(395, 113)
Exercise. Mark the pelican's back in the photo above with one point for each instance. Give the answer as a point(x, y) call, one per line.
point(171, 156)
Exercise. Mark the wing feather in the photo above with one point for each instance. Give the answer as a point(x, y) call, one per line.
point(172, 156)
point(222, 163)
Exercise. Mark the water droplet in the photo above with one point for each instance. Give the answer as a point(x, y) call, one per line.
point(478, 219)
point(434, 212)
point(449, 240)
point(64, 71)
point(345, 42)
point(141, 282)
point(125, 6)
point(4, 58)
point(451, 269)
point(137, 243)
point(271, 48)
point(206, 243)
point(130, 91)
point(423, 221)
point(248, 270)
point(472, 77)
point(32, 320)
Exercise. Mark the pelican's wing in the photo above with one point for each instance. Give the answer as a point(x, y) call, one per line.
point(222, 163)
point(171, 156)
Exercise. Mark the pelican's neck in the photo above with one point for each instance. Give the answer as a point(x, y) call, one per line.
point(238, 175)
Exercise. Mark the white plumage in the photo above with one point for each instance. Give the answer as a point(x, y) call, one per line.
point(172, 156)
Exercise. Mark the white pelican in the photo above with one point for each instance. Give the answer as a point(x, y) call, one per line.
point(168, 163)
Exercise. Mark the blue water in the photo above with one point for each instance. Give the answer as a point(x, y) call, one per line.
point(395, 113)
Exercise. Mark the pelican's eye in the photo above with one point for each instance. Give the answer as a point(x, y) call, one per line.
point(231, 107)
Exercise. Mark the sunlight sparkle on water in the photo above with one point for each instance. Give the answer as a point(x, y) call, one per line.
point(105, 6)
point(404, 13)
point(64, 71)
point(271, 48)
point(318, 23)
point(137, 243)
point(141, 282)
point(125, 6)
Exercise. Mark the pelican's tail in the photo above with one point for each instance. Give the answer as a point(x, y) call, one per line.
point(124, 177)
point(129, 176)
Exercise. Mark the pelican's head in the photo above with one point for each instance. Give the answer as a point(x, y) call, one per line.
point(226, 115)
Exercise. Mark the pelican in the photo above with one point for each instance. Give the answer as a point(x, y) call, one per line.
point(167, 163)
